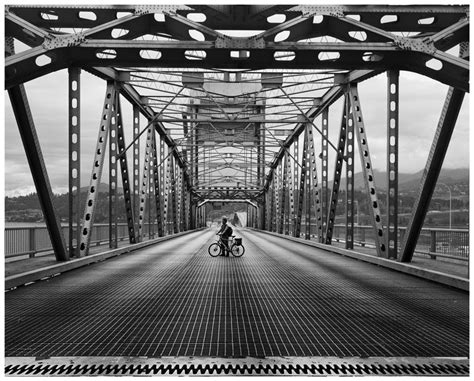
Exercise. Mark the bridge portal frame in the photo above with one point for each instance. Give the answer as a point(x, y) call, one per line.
point(388, 52)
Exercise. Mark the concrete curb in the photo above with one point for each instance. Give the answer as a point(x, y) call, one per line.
point(34, 275)
point(435, 276)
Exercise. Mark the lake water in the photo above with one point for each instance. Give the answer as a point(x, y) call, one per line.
point(26, 224)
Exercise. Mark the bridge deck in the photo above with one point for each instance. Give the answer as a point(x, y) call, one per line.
point(280, 299)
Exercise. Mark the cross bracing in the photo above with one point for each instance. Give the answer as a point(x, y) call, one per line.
point(232, 94)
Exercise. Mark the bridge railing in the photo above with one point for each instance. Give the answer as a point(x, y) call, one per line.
point(447, 243)
point(450, 243)
point(33, 240)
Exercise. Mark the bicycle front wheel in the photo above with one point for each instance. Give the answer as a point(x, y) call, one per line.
point(214, 249)
point(237, 250)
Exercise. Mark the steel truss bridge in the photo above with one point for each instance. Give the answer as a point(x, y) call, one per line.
point(234, 96)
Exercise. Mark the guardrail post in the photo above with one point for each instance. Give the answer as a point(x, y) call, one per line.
point(433, 244)
point(362, 236)
point(32, 245)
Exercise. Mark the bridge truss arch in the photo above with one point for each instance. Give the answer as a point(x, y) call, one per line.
point(234, 97)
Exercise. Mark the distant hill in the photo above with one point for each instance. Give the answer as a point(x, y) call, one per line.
point(411, 181)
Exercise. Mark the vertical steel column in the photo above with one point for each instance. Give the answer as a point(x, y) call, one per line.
point(284, 196)
point(195, 149)
point(183, 202)
point(192, 217)
point(136, 160)
point(307, 191)
point(294, 217)
point(179, 200)
point(313, 181)
point(291, 199)
point(367, 171)
point(151, 188)
point(97, 165)
point(144, 182)
point(74, 89)
point(440, 144)
point(164, 172)
point(173, 215)
point(26, 126)
point(272, 204)
point(341, 145)
point(156, 182)
point(262, 213)
point(301, 188)
point(122, 157)
point(198, 216)
point(349, 178)
point(261, 155)
point(280, 211)
point(324, 169)
point(113, 174)
point(392, 163)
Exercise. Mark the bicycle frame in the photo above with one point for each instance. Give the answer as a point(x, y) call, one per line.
point(221, 243)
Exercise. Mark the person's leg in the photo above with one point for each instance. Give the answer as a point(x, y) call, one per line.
point(226, 244)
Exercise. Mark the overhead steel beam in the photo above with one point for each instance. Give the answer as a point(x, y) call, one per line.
point(331, 96)
point(26, 126)
point(350, 55)
point(247, 17)
point(131, 94)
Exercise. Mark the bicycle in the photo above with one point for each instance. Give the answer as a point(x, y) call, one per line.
point(235, 245)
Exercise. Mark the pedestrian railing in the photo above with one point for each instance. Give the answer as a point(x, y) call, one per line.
point(448, 243)
point(31, 241)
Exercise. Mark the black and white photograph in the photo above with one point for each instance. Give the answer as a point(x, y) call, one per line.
point(221, 189)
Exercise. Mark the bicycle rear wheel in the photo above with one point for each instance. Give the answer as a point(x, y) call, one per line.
point(214, 249)
point(237, 250)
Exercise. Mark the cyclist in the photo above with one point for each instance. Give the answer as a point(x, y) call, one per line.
point(225, 231)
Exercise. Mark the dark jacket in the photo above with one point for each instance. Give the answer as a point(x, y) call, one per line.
point(226, 231)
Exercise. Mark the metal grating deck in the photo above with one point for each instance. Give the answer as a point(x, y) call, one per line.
point(280, 299)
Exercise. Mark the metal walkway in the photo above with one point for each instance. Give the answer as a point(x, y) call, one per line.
point(279, 299)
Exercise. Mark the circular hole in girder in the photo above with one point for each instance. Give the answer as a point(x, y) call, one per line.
point(197, 17)
point(284, 56)
point(106, 54)
point(149, 54)
point(196, 35)
point(42, 60)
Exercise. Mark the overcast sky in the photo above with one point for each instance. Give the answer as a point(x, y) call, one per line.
point(421, 101)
